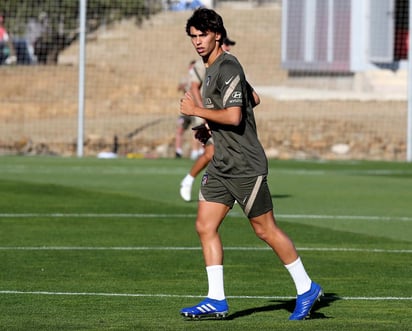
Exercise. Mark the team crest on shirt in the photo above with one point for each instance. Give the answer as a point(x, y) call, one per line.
point(208, 78)
point(205, 178)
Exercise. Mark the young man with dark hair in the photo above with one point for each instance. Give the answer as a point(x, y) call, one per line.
point(237, 171)
point(196, 81)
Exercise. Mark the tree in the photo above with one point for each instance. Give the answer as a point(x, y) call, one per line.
point(58, 23)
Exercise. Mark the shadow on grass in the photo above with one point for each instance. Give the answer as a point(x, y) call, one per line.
point(288, 305)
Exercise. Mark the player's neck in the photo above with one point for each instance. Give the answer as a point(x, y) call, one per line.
point(212, 56)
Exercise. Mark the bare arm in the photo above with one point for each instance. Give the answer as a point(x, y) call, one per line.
point(226, 116)
point(256, 98)
point(195, 91)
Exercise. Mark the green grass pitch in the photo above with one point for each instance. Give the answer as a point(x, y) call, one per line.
point(91, 244)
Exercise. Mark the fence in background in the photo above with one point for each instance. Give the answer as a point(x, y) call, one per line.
point(135, 56)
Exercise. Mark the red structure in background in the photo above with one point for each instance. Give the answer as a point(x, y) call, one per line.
point(401, 44)
point(401, 30)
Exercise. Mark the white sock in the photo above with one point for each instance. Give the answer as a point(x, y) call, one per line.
point(299, 276)
point(215, 280)
point(188, 180)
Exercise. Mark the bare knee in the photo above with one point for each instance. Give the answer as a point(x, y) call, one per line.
point(204, 228)
point(261, 233)
point(265, 228)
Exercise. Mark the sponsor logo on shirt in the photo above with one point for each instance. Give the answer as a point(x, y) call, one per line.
point(227, 82)
point(208, 103)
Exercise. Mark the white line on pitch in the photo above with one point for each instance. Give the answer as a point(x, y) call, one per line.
point(177, 248)
point(193, 296)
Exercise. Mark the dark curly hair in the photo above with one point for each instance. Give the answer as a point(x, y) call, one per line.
point(204, 19)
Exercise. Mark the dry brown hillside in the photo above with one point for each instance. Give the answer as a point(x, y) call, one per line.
point(132, 75)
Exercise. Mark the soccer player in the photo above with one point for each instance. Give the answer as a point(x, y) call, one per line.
point(237, 171)
point(197, 74)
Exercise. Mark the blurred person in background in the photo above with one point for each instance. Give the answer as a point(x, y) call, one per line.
point(7, 52)
point(35, 29)
point(184, 122)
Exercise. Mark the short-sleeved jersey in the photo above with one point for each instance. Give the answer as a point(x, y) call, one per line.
point(238, 151)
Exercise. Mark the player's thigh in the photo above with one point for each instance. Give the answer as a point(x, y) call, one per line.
point(210, 215)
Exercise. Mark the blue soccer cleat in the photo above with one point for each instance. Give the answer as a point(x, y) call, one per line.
point(305, 302)
point(209, 308)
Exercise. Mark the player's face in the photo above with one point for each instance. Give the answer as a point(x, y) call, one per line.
point(203, 42)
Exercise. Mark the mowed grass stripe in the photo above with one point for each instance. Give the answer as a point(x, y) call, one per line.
point(190, 215)
point(171, 248)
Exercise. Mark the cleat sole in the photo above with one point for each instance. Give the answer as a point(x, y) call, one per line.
point(216, 316)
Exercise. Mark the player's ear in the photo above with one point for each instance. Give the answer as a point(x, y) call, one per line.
point(218, 36)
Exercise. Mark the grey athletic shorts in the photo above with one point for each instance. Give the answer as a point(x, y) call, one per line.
point(251, 193)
